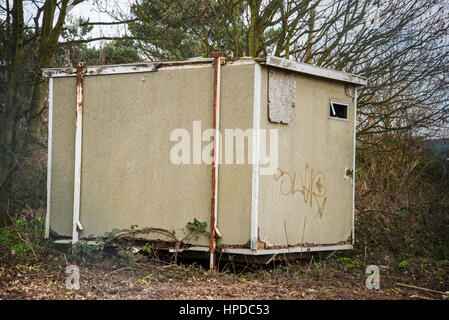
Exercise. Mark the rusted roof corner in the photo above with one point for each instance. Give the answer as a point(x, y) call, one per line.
point(315, 71)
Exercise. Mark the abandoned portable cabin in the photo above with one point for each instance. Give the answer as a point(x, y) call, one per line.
point(132, 145)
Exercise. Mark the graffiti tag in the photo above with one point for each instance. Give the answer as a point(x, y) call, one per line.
point(311, 184)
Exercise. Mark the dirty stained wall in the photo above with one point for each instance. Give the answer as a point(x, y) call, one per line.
point(63, 155)
point(308, 200)
point(127, 177)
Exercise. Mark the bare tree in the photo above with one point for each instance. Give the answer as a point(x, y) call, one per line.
point(30, 34)
point(401, 46)
point(27, 47)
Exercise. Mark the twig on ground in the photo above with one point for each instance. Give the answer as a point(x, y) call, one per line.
point(120, 269)
point(419, 288)
point(330, 255)
point(421, 297)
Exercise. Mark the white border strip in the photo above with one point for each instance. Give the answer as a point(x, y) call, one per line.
point(49, 149)
point(245, 251)
point(255, 158)
point(315, 71)
point(261, 252)
point(217, 140)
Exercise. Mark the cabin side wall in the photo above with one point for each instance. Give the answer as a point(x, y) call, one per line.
point(308, 201)
point(62, 155)
point(234, 182)
point(127, 176)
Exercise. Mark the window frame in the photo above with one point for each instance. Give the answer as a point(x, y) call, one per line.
point(331, 105)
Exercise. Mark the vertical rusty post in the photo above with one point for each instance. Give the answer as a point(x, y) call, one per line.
point(215, 153)
point(76, 227)
point(79, 89)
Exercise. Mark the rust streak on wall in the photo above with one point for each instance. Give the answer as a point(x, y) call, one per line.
point(79, 89)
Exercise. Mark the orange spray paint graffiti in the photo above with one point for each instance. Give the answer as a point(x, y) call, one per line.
point(311, 185)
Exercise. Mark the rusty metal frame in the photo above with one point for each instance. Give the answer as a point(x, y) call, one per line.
point(76, 227)
point(215, 154)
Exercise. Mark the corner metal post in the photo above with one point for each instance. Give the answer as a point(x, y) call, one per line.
point(215, 154)
point(76, 227)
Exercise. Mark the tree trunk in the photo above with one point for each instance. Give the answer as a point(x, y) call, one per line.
point(309, 46)
point(252, 33)
point(7, 132)
point(12, 144)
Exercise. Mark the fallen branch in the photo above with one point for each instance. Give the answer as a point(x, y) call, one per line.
point(120, 269)
point(419, 288)
point(421, 297)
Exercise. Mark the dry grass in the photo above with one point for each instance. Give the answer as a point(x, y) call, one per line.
point(115, 277)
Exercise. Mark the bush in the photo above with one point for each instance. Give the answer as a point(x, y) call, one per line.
point(402, 199)
point(22, 239)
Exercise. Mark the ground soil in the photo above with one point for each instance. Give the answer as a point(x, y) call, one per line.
point(309, 279)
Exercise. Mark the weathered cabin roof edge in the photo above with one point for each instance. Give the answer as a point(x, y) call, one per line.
point(310, 69)
point(272, 61)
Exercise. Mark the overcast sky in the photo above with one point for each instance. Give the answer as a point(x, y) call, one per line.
point(89, 9)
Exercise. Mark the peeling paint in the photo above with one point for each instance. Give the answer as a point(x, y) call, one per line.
point(349, 91)
point(265, 244)
point(349, 174)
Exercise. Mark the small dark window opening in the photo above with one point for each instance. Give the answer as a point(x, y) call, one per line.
point(338, 110)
